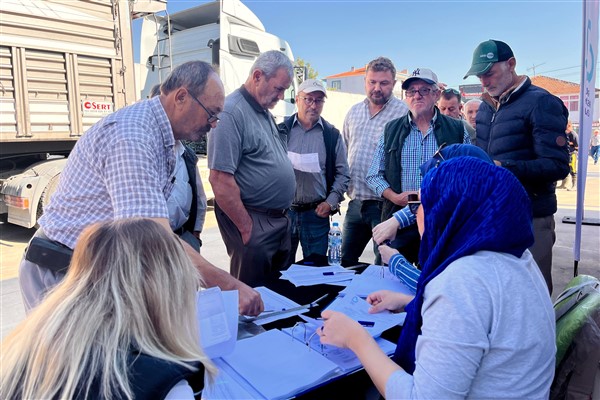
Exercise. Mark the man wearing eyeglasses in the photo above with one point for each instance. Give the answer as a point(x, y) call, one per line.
point(251, 175)
point(450, 104)
point(406, 143)
point(318, 155)
point(124, 167)
point(522, 127)
point(362, 128)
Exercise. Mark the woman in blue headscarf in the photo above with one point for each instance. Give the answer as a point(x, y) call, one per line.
point(481, 324)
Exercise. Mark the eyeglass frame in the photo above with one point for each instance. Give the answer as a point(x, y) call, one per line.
point(318, 102)
point(212, 117)
point(414, 91)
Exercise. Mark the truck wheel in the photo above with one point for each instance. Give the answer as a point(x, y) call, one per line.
point(46, 194)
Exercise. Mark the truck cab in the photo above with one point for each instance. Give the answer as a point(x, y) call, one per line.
point(224, 33)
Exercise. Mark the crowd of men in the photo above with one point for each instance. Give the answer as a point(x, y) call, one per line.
point(276, 186)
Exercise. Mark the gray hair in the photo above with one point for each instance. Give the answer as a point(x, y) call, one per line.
point(270, 62)
point(155, 91)
point(191, 75)
point(382, 64)
point(472, 101)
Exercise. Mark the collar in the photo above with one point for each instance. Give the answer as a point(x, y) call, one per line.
point(432, 122)
point(505, 97)
point(295, 120)
point(366, 103)
point(251, 100)
point(164, 124)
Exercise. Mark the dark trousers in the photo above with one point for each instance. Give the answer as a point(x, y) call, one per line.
point(545, 237)
point(311, 231)
point(360, 219)
point(266, 252)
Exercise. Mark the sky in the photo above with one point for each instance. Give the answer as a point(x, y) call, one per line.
point(334, 36)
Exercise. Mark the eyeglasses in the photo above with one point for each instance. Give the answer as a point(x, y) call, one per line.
point(212, 117)
point(309, 101)
point(438, 154)
point(414, 203)
point(423, 92)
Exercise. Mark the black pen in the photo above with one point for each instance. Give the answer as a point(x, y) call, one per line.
point(367, 324)
point(330, 273)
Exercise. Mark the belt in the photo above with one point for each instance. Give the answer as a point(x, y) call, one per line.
point(367, 202)
point(271, 212)
point(306, 206)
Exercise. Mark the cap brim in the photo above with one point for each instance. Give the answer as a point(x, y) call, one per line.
point(407, 82)
point(478, 69)
point(311, 90)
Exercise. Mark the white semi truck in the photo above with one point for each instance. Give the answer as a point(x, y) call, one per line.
point(65, 64)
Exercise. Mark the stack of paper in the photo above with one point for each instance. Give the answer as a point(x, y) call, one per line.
point(302, 275)
point(372, 279)
point(357, 308)
point(278, 366)
point(344, 358)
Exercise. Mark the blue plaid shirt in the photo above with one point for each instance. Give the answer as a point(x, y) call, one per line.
point(417, 149)
point(120, 168)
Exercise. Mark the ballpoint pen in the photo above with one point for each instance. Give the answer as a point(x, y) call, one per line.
point(329, 273)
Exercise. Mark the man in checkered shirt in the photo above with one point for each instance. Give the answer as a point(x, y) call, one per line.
point(362, 128)
point(124, 167)
point(405, 145)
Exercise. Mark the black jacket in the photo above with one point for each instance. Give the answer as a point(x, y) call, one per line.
point(527, 135)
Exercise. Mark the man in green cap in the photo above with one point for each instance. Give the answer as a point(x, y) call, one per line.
point(522, 128)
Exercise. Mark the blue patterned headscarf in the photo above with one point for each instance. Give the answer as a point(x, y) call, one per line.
point(469, 205)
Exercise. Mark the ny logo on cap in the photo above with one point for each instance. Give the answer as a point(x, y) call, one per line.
point(416, 72)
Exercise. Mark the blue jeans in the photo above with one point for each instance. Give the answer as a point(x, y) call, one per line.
point(594, 153)
point(311, 231)
point(361, 218)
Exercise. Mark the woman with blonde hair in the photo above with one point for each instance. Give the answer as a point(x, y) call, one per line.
point(122, 324)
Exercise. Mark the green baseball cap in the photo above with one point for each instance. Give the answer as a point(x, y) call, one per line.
point(486, 54)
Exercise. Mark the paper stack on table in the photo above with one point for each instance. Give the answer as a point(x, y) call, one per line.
point(302, 275)
point(278, 366)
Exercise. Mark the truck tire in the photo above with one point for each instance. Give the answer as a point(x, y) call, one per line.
point(45, 198)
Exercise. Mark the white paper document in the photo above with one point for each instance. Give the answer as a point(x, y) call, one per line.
point(344, 358)
point(217, 314)
point(357, 308)
point(302, 275)
point(372, 279)
point(275, 302)
point(278, 366)
point(305, 162)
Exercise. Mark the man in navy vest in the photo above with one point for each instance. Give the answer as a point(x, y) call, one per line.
point(318, 156)
point(406, 144)
point(522, 127)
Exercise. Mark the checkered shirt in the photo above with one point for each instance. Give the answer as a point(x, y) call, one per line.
point(119, 168)
point(361, 132)
point(417, 150)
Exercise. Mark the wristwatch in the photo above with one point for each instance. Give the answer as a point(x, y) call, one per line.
point(334, 207)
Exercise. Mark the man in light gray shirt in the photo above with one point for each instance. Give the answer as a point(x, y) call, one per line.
point(318, 154)
point(251, 175)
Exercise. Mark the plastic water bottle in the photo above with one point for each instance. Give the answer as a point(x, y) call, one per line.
point(334, 252)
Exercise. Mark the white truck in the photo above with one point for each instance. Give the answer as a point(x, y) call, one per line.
point(65, 64)
point(224, 33)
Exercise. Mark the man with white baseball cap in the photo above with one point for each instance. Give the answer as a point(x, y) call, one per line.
point(318, 156)
point(406, 143)
point(522, 127)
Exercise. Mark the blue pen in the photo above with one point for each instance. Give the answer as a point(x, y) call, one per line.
point(367, 324)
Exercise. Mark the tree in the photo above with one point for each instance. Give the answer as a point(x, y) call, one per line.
point(301, 66)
